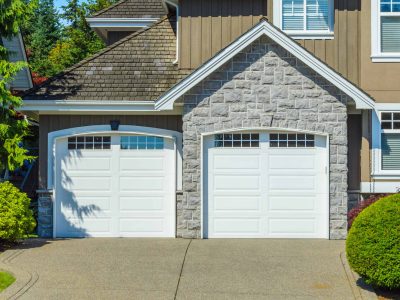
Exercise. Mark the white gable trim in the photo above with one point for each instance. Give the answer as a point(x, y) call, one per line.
point(166, 102)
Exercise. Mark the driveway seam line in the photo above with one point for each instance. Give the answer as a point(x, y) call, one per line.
point(183, 263)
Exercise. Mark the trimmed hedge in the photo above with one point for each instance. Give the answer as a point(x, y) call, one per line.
point(373, 243)
point(16, 218)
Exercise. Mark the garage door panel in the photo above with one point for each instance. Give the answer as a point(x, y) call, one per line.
point(292, 183)
point(240, 162)
point(237, 226)
point(86, 183)
point(142, 225)
point(292, 226)
point(238, 182)
point(87, 163)
point(292, 203)
point(141, 203)
point(140, 183)
point(97, 203)
point(292, 162)
point(89, 225)
point(142, 164)
point(237, 203)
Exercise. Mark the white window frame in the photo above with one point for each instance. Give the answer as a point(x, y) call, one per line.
point(306, 34)
point(376, 54)
point(377, 171)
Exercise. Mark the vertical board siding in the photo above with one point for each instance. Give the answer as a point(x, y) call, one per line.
point(208, 26)
point(50, 123)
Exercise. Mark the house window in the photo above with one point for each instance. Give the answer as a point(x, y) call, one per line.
point(305, 18)
point(89, 143)
point(385, 30)
point(390, 140)
point(237, 140)
point(283, 140)
point(142, 143)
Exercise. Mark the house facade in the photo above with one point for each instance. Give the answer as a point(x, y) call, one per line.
point(222, 119)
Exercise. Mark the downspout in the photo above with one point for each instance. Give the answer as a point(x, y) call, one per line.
point(177, 28)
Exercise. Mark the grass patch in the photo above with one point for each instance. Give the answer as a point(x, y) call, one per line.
point(6, 280)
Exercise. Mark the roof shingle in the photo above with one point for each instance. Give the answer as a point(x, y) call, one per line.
point(138, 68)
point(133, 9)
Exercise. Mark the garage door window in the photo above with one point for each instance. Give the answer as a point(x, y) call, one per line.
point(89, 143)
point(142, 143)
point(283, 140)
point(237, 140)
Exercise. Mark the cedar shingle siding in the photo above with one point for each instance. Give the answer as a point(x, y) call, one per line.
point(139, 67)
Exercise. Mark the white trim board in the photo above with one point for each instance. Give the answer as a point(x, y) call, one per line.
point(363, 101)
point(380, 187)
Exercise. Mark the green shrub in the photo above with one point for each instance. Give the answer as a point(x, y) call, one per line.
point(16, 219)
point(373, 243)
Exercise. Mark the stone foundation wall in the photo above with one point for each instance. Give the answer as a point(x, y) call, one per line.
point(45, 213)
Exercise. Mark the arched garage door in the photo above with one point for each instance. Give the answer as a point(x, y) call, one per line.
point(115, 185)
point(265, 185)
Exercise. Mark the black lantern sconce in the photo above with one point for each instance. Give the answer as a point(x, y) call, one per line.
point(114, 125)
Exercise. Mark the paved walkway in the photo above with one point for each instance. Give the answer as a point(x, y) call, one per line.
point(179, 269)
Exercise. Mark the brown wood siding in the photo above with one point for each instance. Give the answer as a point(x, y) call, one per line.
point(50, 123)
point(380, 80)
point(354, 133)
point(207, 28)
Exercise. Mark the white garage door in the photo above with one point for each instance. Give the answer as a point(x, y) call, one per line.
point(115, 186)
point(266, 185)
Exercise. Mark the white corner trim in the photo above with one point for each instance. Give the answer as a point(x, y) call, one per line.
point(86, 106)
point(166, 102)
point(120, 22)
point(124, 129)
point(380, 187)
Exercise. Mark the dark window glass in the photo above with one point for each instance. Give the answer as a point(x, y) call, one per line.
point(386, 125)
point(386, 116)
point(273, 136)
point(72, 146)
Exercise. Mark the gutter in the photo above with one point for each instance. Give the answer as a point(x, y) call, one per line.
point(120, 22)
point(87, 106)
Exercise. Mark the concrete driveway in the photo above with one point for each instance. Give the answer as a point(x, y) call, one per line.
point(178, 269)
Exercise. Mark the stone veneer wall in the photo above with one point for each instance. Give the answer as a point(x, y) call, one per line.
point(263, 86)
point(45, 213)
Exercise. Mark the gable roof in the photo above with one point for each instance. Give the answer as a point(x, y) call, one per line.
point(137, 68)
point(362, 100)
point(133, 9)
